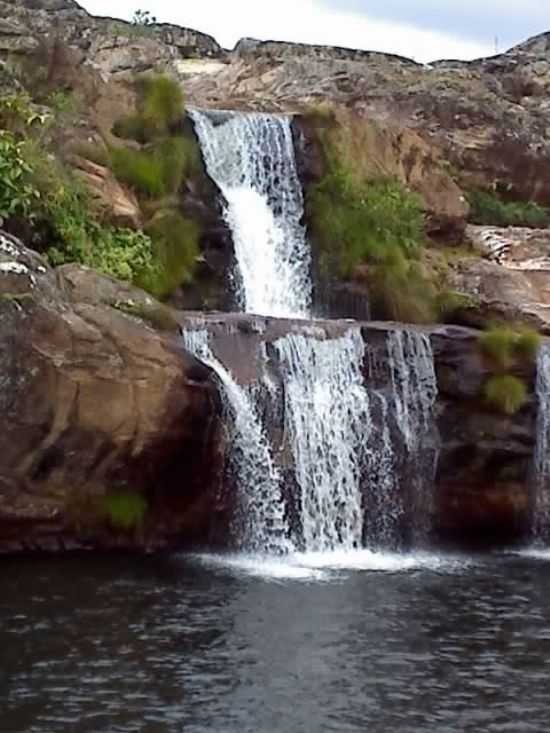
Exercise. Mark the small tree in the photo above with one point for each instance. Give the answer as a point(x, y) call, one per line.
point(143, 18)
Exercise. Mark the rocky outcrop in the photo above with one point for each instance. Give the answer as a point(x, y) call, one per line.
point(509, 280)
point(112, 46)
point(94, 401)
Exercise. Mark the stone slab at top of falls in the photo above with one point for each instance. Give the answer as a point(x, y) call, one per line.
point(236, 338)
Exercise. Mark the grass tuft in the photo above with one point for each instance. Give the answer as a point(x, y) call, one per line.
point(505, 393)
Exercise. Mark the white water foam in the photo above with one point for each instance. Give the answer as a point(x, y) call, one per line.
point(251, 159)
point(332, 566)
point(327, 420)
point(263, 526)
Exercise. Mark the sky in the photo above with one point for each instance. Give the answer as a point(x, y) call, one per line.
point(425, 30)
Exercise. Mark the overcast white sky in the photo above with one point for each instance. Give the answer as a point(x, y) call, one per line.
point(421, 29)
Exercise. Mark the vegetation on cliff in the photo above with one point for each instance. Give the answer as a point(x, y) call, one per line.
point(37, 189)
point(41, 197)
point(506, 349)
point(156, 171)
point(490, 209)
point(366, 228)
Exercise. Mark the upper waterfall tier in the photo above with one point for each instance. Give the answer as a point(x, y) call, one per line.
point(251, 159)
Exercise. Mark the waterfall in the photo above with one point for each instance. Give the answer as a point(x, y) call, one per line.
point(262, 522)
point(414, 387)
point(327, 420)
point(541, 512)
point(414, 384)
point(251, 159)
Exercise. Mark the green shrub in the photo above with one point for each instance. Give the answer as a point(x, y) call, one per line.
point(498, 345)
point(156, 171)
point(527, 344)
point(488, 209)
point(450, 302)
point(18, 194)
point(160, 102)
point(505, 393)
point(75, 234)
point(377, 225)
point(355, 222)
point(176, 248)
point(504, 346)
point(138, 169)
point(125, 511)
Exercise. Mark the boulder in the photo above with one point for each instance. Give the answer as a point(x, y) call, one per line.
point(94, 401)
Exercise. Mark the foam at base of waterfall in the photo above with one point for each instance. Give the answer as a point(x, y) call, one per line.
point(262, 524)
point(251, 159)
point(329, 566)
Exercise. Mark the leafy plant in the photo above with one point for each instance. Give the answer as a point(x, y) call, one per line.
point(124, 510)
point(488, 209)
point(505, 393)
point(18, 194)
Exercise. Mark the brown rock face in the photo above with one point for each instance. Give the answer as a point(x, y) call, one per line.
point(92, 401)
point(511, 282)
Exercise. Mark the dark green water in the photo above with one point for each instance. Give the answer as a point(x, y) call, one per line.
point(198, 645)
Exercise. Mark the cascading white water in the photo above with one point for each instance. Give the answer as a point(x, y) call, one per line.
point(251, 159)
point(414, 384)
point(263, 526)
point(327, 419)
point(541, 512)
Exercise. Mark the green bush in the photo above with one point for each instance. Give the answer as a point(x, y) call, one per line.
point(159, 109)
point(75, 234)
point(527, 344)
point(380, 226)
point(359, 222)
point(125, 511)
point(156, 171)
point(138, 169)
point(488, 209)
point(176, 248)
point(498, 344)
point(505, 393)
point(160, 102)
point(18, 194)
point(504, 346)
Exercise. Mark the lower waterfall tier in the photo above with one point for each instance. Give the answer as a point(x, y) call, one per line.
point(378, 433)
